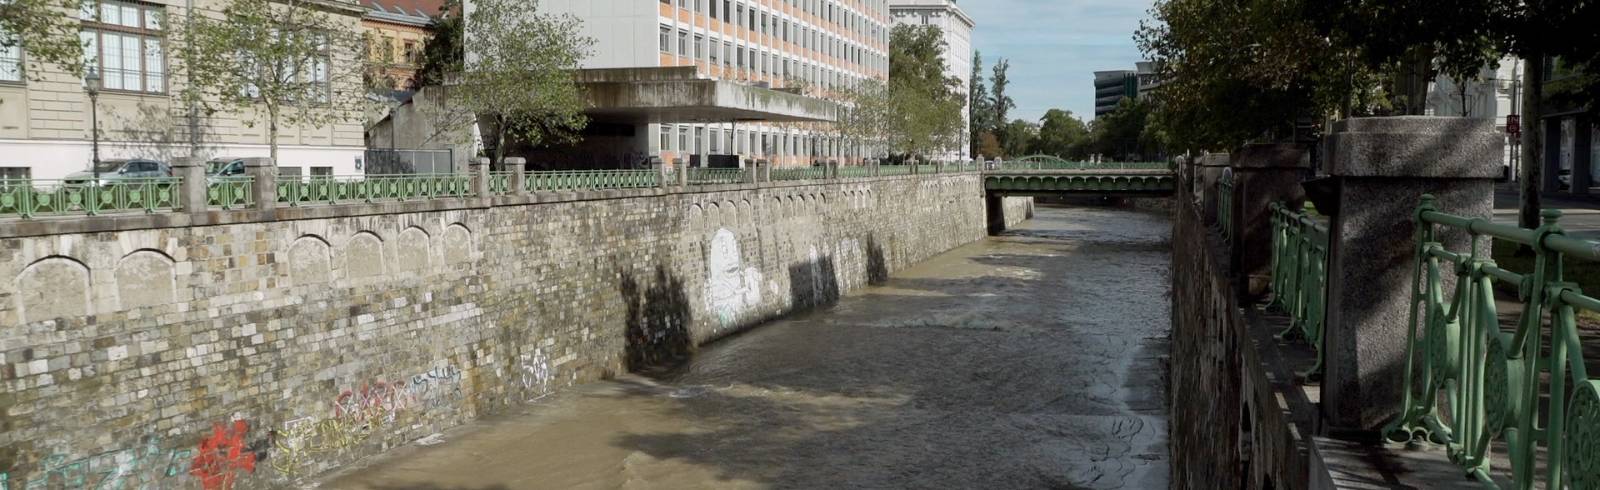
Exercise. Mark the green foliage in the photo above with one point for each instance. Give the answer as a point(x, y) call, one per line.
point(442, 53)
point(1017, 138)
point(1062, 135)
point(47, 31)
point(1000, 103)
point(1122, 134)
point(517, 75)
point(922, 116)
point(979, 107)
point(278, 62)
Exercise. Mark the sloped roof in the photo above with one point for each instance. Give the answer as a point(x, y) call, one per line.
point(403, 10)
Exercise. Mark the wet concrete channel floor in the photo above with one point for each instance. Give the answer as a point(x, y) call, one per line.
point(1035, 359)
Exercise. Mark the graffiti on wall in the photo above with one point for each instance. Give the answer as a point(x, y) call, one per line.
point(731, 288)
point(536, 375)
point(359, 413)
point(216, 464)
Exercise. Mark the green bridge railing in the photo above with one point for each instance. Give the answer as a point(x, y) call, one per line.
point(28, 198)
point(588, 180)
point(1300, 275)
point(346, 189)
point(1471, 383)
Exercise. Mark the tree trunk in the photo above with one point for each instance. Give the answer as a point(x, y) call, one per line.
point(1532, 155)
point(272, 135)
point(499, 143)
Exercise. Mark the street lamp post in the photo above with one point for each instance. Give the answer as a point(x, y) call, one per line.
point(92, 85)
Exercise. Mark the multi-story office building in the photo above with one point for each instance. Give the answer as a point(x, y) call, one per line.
point(45, 117)
point(694, 78)
point(1110, 87)
point(957, 28)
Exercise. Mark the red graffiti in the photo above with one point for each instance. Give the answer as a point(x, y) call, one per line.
point(222, 455)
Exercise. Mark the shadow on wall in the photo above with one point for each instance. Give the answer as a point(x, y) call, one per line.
point(658, 321)
point(814, 283)
point(877, 265)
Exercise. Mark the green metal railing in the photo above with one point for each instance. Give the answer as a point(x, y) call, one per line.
point(894, 170)
point(1470, 382)
point(798, 173)
point(1300, 275)
point(297, 191)
point(500, 182)
point(1046, 162)
point(231, 192)
point(716, 175)
point(854, 171)
point(30, 198)
point(586, 180)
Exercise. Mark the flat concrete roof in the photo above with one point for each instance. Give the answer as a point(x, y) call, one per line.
point(679, 95)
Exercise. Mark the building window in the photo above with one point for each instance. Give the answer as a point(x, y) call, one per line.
point(123, 42)
point(713, 9)
point(10, 63)
point(683, 42)
point(666, 39)
point(699, 140)
point(666, 137)
point(412, 54)
point(683, 138)
point(15, 173)
point(699, 47)
point(716, 134)
point(715, 47)
point(321, 171)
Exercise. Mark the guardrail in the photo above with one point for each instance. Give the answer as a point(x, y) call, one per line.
point(586, 180)
point(1300, 275)
point(715, 175)
point(798, 173)
point(232, 192)
point(344, 189)
point(29, 198)
point(1470, 382)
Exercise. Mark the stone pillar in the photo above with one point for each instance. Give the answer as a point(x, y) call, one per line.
point(751, 176)
point(764, 169)
point(876, 171)
point(683, 173)
point(480, 177)
point(1209, 172)
point(517, 182)
point(663, 176)
point(1262, 174)
point(192, 194)
point(264, 183)
point(938, 167)
point(1380, 168)
point(833, 169)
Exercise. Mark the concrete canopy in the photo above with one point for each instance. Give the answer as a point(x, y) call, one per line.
point(677, 95)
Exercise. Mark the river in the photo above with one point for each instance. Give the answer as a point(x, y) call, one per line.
point(1036, 359)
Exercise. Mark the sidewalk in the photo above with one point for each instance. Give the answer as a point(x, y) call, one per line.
point(1580, 215)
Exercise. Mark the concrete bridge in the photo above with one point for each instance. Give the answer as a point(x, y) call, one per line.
point(1044, 175)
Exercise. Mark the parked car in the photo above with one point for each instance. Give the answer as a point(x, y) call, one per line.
point(225, 167)
point(112, 171)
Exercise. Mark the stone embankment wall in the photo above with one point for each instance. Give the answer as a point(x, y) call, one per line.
point(265, 351)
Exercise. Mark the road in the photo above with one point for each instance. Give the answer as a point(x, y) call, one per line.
point(1031, 360)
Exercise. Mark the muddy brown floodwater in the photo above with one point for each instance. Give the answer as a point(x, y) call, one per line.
point(1030, 360)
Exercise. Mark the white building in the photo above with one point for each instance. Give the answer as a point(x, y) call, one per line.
point(691, 79)
point(1493, 95)
point(957, 27)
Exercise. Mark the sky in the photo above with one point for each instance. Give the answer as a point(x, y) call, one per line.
point(1055, 46)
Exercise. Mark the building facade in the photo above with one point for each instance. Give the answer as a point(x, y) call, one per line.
point(1492, 95)
point(746, 47)
point(45, 117)
point(397, 31)
point(1110, 87)
point(957, 28)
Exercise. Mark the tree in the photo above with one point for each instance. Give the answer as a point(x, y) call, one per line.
point(280, 62)
point(1018, 138)
point(1120, 134)
point(1062, 135)
point(442, 52)
point(924, 105)
point(518, 78)
point(1001, 104)
point(46, 30)
point(979, 109)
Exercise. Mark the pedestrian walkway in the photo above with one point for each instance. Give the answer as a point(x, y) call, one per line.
point(1580, 215)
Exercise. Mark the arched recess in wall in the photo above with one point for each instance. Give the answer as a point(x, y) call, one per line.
point(53, 287)
point(457, 240)
point(713, 217)
point(747, 212)
point(774, 211)
point(693, 217)
point(363, 255)
point(310, 261)
point(411, 251)
point(730, 214)
point(145, 277)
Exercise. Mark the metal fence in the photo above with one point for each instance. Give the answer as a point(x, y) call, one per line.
point(1300, 275)
point(397, 162)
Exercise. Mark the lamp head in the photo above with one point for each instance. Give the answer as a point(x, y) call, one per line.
point(91, 81)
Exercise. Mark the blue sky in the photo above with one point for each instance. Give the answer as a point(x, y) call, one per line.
point(1055, 46)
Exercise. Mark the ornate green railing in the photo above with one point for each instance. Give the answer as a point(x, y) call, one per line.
point(586, 180)
point(716, 175)
point(854, 171)
point(231, 192)
point(1300, 275)
point(500, 182)
point(29, 198)
point(1046, 162)
point(894, 170)
point(297, 191)
point(798, 173)
point(1469, 381)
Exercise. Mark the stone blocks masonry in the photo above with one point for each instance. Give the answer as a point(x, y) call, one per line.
point(263, 351)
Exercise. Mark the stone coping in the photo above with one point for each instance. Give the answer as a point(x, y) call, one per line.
point(59, 225)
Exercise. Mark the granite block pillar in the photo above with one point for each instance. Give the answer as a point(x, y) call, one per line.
point(193, 188)
point(264, 181)
point(1262, 174)
point(1209, 172)
point(1380, 168)
point(517, 182)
